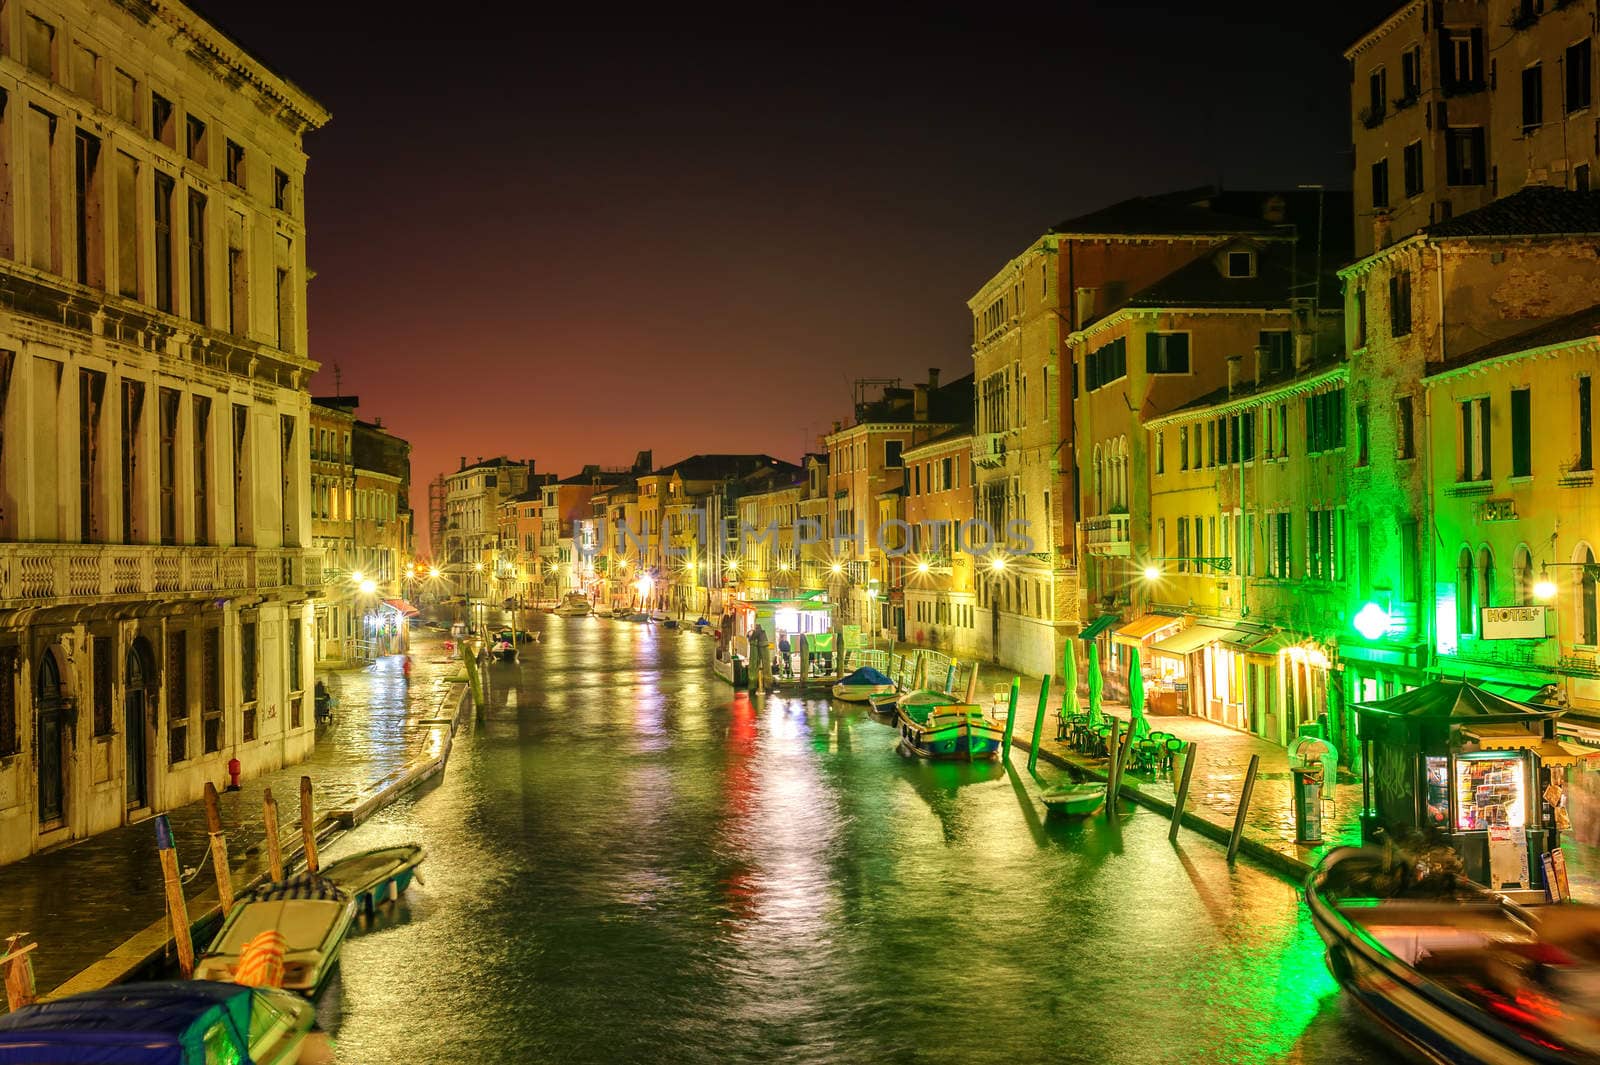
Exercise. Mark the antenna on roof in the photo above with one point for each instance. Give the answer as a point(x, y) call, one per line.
point(338, 377)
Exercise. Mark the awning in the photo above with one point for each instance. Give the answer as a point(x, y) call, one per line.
point(1138, 630)
point(1503, 736)
point(1269, 646)
point(1521, 692)
point(1191, 639)
point(403, 607)
point(1564, 752)
point(1098, 625)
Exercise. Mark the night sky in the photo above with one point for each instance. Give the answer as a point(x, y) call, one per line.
point(571, 240)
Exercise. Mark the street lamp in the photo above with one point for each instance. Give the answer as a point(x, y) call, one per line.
point(1220, 563)
point(1371, 621)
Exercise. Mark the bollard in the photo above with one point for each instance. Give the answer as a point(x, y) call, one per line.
point(219, 848)
point(269, 817)
point(1011, 718)
point(1111, 765)
point(1244, 806)
point(177, 907)
point(972, 684)
point(20, 989)
point(308, 829)
point(1183, 793)
point(1038, 722)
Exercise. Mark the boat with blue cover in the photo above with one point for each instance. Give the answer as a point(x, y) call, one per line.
point(863, 685)
point(172, 1022)
point(952, 730)
point(311, 913)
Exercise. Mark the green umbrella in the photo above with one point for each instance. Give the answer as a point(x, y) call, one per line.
point(1096, 684)
point(1069, 681)
point(1136, 722)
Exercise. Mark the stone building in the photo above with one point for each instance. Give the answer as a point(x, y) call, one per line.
point(471, 533)
point(155, 524)
point(940, 579)
point(766, 556)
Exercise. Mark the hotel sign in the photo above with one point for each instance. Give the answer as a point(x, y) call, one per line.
point(1512, 623)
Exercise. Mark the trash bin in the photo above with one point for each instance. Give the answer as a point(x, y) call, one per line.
point(1307, 804)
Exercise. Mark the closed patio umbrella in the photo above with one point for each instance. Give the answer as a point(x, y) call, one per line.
point(1136, 720)
point(1069, 682)
point(1096, 684)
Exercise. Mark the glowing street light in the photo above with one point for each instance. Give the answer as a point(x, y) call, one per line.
point(357, 577)
point(1152, 573)
point(433, 572)
point(1371, 621)
point(1545, 589)
point(923, 567)
point(997, 563)
point(369, 586)
point(836, 569)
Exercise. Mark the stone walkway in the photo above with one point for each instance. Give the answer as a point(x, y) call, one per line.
point(83, 900)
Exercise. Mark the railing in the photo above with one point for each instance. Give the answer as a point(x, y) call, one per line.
point(1107, 534)
point(100, 571)
point(1576, 475)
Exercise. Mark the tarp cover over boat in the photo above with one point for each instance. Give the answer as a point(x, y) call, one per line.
point(865, 677)
point(135, 1024)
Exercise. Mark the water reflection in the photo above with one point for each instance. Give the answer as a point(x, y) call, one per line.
point(630, 863)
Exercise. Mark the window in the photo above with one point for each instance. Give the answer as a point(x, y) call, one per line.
point(128, 228)
point(1241, 264)
point(1324, 413)
point(284, 297)
point(132, 411)
point(1364, 558)
point(40, 46)
point(948, 481)
point(1279, 534)
point(85, 73)
point(195, 139)
point(1361, 434)
point(211, 691)
point(1405, 432)
point(1485, 580)
point(163, 227)
point(1521, 433)
point(1585, 425)
point(177, 673)
point(124, 97)
point(1410, 75)
point(91, 394)
point(241, 467)
point(248, 676)
point(1410, 567)
point(1183, 447)
point(1161, 452)
point(1587, 601)
point(1463, 61)
point(1465, 575)
point(1360, 316)
point(1474, 439)
point(1580, 83)
point(162, 127)
point(891, 454)
point(1377, 96)
point(1276, 347)
point(1464, 156)
point(1400, 303)
point(1532, 98)
point(1106, 364)
point(1522, 575)
point(1580, 177)
point(280, 190)
point(1166, 353)
point(1411, 159)
point(202, 469)
point(1380, 183)
point(234, 162)
point(1247, 436)
point(197, 257)
point(103, 650)
point(168, 400)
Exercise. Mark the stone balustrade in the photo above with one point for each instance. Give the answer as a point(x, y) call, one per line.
point(37, 573)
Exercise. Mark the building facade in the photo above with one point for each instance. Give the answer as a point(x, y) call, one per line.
point(940, 579)
point(154, 512)
point(471, 534)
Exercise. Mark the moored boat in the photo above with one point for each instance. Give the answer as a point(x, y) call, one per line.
point(375, 876)
point(1461, 973)
point(171, 1022)
point(864, 685)
point(573, 605)
point(311, 913)
point(1074, 800)
point(957, 730)
point(920, 700)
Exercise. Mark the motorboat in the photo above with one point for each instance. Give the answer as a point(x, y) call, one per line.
point(310, 912)
point(920, 699)
point(373, 877)
point(864, 685)
point(171, 1022)
point(1074, 800)
point(1462, 973)
point(573, 605)
point(956, 730)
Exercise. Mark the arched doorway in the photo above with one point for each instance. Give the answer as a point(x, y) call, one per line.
point(138, 699)
point(49, 707)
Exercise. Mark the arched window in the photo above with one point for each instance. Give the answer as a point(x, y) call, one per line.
point(1485, 579)
point(1586, 598)
point(1522, 574)
point(1464, 577)
point(1122, 472)
point(1099, 481)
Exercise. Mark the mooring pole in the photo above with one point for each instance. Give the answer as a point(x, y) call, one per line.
point(1244, 806)
point(177, 907)
point(1183, 792)
point(20, 990)
point(308, 828)
point(269, 817)
point(1111, 765)
point(1038, 722)
point(219, 848)
point(1011, 718)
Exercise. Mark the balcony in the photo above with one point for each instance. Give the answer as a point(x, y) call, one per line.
point(1106, 534)
point(1578, 474)
point(33, 574)
point(989, 450)
point(1372, 117)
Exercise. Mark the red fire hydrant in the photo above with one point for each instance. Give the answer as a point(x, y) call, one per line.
point(233, 774)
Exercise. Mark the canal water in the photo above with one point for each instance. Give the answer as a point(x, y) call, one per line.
point(630, 863)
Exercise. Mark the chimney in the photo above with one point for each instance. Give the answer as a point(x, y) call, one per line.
point(933, 379)
point(463, 462)
point(1085, 305)
point(1233, 373)
point(1382, 230)
point(1275, 210)
point(919, 402)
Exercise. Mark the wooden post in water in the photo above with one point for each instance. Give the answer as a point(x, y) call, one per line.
point(1011, 718)
point(177, 907)
point(219, 848)
point(20, 990)
point(1183, 793)
point(269, 817)
point(972, 683)
point(1244, 806)
point(1114, 756)
point(1038, 722)
point(308, 827)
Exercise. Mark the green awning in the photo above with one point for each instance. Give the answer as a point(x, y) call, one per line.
point(1098, 625)
point(1520, 692)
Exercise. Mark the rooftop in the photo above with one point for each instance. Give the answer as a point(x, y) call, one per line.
point(1536, 210)
point(1582, 325)
point(960, 432)
point(718, 467)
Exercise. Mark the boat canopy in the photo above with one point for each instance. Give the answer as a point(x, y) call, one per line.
point(865, 676)
point(161, 1023)
point(1457, 701)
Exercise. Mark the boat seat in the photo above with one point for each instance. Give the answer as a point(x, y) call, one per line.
point(1411, 942)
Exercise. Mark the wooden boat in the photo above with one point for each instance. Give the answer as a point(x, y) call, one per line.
point(957, 730)
point(311, 913)
point(573, 605)
point(375, 876)
point(918, 699)
point(1463, 976)
point(863, 685)
point(172, 1022)
point(1074, 800)
point(635, 615)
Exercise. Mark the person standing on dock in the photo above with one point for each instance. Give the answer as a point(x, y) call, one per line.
point(760, 660)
